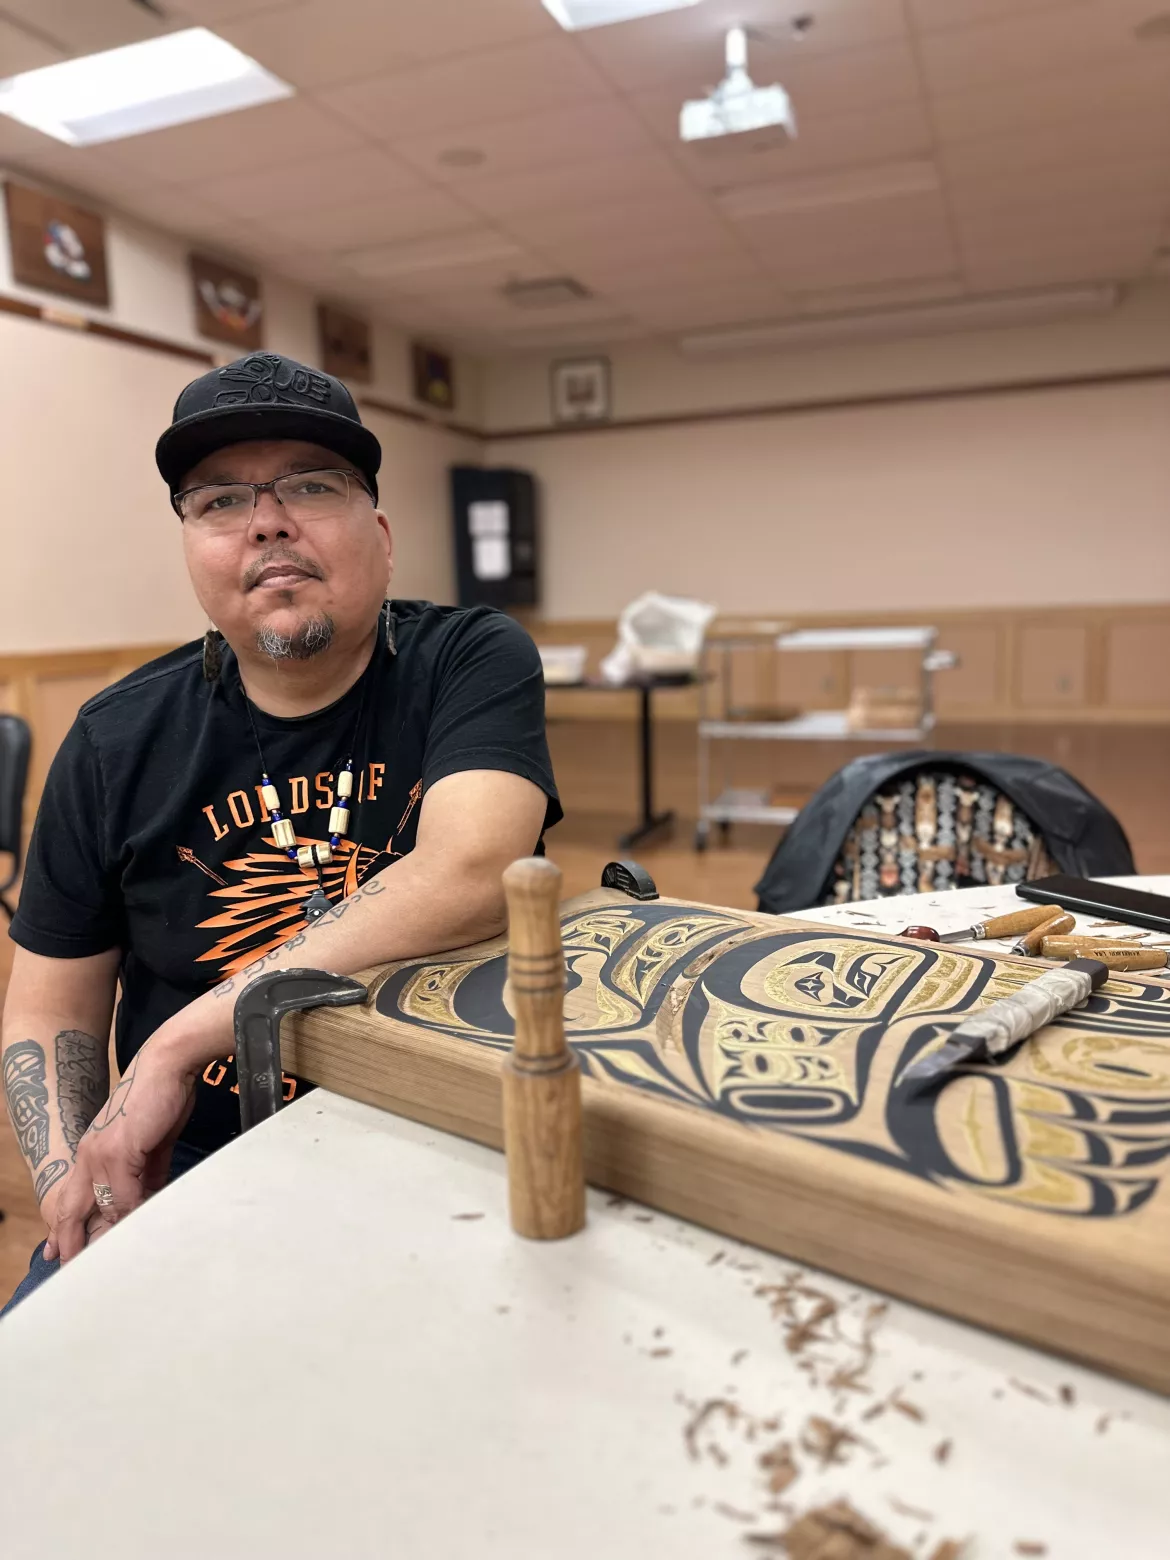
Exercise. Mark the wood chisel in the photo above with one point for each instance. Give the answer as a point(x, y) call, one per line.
point(1004, 925)
point(1029, 944)
point(990, 1035)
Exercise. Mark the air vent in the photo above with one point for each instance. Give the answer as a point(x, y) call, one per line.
point(545, 292)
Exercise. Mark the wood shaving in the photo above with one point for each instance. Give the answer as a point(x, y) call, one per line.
point(1067, 1395)
point(948, 1550)
point(718, 1257)
point(467, 1216)
point(911, 1410)
point(1029, 1546)
point(725, 1510)
point(739, 1356)
point(942, 1452)
point(1029, 1390)
point(1103, 1423)
point(827, 1442)
point(779, 1467)
point(835, 1532)
point(701, 1418)
point(904, 1510)
point(660, 1354)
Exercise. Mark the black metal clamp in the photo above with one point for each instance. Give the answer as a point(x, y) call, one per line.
point(259, 1009)
point(631, 878)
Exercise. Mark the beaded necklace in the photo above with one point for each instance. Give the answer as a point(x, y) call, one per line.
point(283, 829)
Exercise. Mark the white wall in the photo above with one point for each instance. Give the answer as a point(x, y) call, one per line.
point(1030, 498)
point(89, 546)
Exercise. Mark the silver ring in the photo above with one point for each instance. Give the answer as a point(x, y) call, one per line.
point(103, 1195)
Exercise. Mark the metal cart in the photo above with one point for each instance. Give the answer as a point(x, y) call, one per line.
point(722, 721)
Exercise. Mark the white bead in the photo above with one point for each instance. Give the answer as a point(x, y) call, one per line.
point(345, 783)
point(271, 797)
point(284, 834)
point(310, 856)
point(339, 820)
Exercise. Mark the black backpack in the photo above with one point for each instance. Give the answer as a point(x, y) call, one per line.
point(871, 826)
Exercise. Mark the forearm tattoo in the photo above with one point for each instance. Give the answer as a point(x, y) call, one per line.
point(115, 1106)
point(250, 971)
point(28, 1098)
point(82, 1082)
point(49, 1176)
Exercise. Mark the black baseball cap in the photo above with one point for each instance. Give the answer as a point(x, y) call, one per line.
point(265, 396)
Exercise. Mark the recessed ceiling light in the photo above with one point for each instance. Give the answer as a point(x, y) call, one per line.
point(579, 14)
point(1155, 29)
point(145, 86)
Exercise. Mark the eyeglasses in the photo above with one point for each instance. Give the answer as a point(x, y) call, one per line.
point(307, 495)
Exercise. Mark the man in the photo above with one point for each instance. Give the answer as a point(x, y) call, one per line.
point(328, 778)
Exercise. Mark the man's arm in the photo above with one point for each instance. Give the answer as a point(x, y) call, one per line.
point(54, 1059)
point(445, 893)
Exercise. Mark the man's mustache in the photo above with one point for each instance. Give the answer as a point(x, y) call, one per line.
point(280, 555)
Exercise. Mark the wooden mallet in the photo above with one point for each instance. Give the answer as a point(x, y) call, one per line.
point(541, 1077)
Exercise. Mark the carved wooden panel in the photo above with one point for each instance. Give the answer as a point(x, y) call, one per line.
point(1137, 666)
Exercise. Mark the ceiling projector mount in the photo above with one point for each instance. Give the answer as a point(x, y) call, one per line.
point(738, 116)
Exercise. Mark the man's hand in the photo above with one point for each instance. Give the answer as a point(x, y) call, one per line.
point(128, 1148)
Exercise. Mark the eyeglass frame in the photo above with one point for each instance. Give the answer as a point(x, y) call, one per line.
point(270, 487)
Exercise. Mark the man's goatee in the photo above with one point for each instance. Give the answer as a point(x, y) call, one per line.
point(309, 639)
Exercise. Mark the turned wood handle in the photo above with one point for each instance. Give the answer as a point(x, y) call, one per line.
point(1061, 922)
point(1019, 921)
point(1118, 956)
point(541, 1077)
point(536, 961)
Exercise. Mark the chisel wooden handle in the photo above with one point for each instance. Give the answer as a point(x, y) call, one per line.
point(1030, 942)
point(1118, 956)
point(541, 1077)
point(1018, 921)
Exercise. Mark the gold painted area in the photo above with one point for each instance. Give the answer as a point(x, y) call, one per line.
point(1122, 1064)
point(430, 995)
point(642, 965)
point(970, 1131)
point(740, 1047)
point(591, 1005)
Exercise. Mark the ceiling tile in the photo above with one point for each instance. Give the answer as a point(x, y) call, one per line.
point(553, 138)
point(1086, 98)
point(326, 42)
point(1108, 258)
point(649, 175)
point(679, 212)
point(366, 173)
point(206, 13)
point(690, 308)
point(904, 238)
point(408, 215)
point(86, 27)
point(1089, 36)
point(894, 295)
point(176, 211)
point(1122, 137)
point(899, 131)
point(470, 91)
point(250, 139)
point(1089, 191)
point(687, 47)
point(20, 50)
point(674, 269)
point(937, 15)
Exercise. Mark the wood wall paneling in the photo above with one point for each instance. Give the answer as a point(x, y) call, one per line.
point(1137, 666)
point(1052, 668)
point(975, 682)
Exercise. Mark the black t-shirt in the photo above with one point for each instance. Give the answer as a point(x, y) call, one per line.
point(152, 835)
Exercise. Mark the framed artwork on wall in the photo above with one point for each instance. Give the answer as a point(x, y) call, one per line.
point(55, 246)
point(346, 348)
point(228, 304)
point(434, 377)
point(580, 390)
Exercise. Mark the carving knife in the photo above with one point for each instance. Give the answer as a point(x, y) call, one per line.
point(991, 1034)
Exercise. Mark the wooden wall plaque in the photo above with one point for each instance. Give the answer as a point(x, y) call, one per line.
point(744, 1071)
point(56, 246)
point(346, 348)
point(434, 377)
point(229, 306)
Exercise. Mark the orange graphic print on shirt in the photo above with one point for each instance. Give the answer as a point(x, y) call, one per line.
point(261, 894)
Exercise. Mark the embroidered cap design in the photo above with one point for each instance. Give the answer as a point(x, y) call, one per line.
point(265, 379)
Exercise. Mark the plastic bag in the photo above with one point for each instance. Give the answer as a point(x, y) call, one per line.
point(657, 635)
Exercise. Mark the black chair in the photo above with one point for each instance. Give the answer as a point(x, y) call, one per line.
point(908, 823)
point(15, 746)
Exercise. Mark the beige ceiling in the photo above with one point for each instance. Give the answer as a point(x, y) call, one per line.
point(437, 149)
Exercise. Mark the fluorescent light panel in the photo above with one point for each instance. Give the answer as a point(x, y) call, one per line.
point(1030, 308)
point(164, 81)
point(576, 15)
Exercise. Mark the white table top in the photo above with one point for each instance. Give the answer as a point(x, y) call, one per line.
point(327, 1342)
